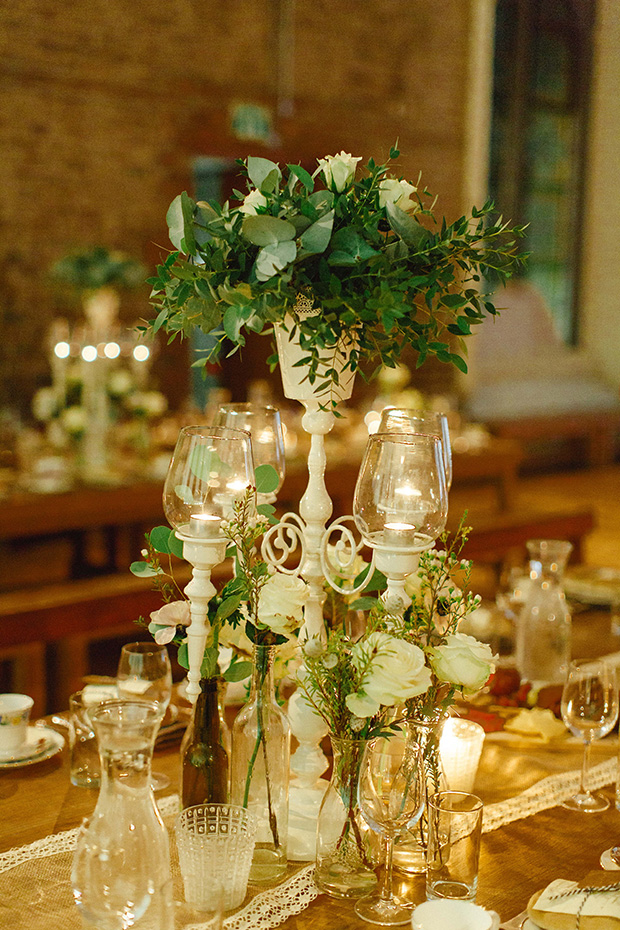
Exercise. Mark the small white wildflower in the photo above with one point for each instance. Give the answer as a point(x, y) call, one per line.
point(330, 661)
point(144, 553)
point(357, 723)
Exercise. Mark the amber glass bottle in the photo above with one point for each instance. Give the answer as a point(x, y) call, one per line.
point(204, 756)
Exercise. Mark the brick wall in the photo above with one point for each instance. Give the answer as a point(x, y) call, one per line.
point(106, 103)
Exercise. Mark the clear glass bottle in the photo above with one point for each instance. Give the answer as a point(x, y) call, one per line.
point(410, 845)
point(205, 750)
point(543, 636)
point(121, 867)
point(261, 740)
point(346, 848)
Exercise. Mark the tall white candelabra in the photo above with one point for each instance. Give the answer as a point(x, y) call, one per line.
point(329, 552)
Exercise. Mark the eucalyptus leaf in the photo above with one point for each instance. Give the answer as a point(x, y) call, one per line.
point(182, 656)
point(263, 174)
point(273, 258)
point(228, 607)
point(405, 226)
point(316, 237)
point(180, 218)
point(267, 230)
point(176, 545)
point(143, 570)
point(266, 478)
point(159, 538)
point(238, 671)
point(185, 494)
point(207, 465)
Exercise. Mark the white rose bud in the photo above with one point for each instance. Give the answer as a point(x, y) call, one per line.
point(253, 200)
point(398, 193)
point(463, 661)
point(338, 170)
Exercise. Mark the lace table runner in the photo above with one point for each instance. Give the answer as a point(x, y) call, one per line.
point(35, 888)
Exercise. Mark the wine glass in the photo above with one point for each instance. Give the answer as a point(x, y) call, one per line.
point(144, 674)
point(401, 420)
point(589, 710)
point(391, 793)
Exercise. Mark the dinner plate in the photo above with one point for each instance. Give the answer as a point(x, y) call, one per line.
point(593, 585)
point(41, 743)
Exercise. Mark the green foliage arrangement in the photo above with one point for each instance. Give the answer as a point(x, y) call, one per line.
point(367, 254)
point(92, 269)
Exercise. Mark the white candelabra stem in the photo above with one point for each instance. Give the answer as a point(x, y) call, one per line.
point(315, 509)
point(203, 555)
point(396, 566)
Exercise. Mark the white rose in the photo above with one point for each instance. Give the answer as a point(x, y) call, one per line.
point(398, 193)
point(338, 170)
point(281, 603)
point(463, 661)
point(253, 200)
point(397, 671)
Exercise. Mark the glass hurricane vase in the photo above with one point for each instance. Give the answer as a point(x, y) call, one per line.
point(346, 851)
point(261, 738)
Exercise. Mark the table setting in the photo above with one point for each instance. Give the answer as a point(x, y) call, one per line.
point(352, 785)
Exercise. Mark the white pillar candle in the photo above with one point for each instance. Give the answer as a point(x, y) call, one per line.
point(460, 747)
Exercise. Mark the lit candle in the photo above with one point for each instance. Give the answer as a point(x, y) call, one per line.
point(460, 747)
point(399, 535)
point(204, 525)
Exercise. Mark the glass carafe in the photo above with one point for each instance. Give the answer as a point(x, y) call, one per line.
point(121, 874)
point(543, 638)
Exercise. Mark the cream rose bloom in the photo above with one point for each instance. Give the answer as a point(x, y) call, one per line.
point(338, 170)
point(398, 193)
point(253, 200)
point(397, 671)
point(463, 661)
point(281, 603)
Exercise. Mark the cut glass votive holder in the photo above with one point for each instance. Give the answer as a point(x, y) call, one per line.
point(215, 844)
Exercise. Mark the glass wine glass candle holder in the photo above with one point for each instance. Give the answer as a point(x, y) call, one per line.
point(264, 425)
point(400, 504)
point(401, 420)
point(211, 468)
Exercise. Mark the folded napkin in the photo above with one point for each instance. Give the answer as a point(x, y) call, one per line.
point(538, 723)
point(593, 904)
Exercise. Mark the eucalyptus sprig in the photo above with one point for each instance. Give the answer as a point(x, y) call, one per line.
point(366, 254)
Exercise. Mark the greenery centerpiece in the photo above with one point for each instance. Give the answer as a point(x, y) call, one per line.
point(365, 254)
point(400, 670)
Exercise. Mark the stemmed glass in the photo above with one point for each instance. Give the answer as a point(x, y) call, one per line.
point(391, 793)
point(144, 674)
point(401, 420)
point(589, 710)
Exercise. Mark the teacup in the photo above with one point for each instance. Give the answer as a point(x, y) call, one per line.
point(14, 716)
point(451, 914)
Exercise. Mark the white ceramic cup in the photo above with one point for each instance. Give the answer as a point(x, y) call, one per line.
point(450, 914)
point(14, 716)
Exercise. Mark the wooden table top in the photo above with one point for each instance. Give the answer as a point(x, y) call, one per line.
point(516, 860)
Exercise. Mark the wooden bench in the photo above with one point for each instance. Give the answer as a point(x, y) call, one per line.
point(499, 539)
point(599, 431)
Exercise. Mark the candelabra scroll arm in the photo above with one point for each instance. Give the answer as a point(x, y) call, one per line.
point(340, 565)
point(285, 536)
